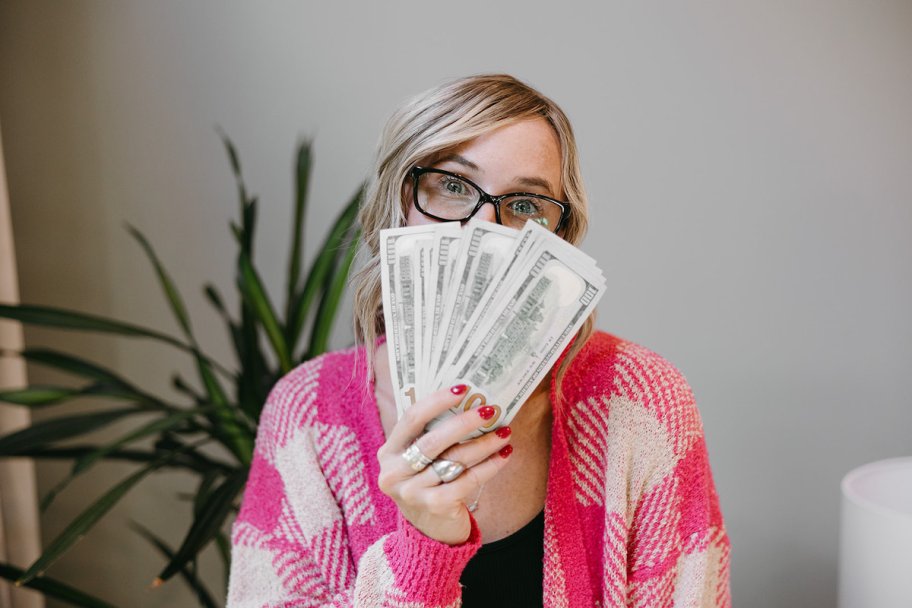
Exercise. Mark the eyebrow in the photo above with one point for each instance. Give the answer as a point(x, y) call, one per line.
point(456, 158)
point(535, 181)
point(522, 181)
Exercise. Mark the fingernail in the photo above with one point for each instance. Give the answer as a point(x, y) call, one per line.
point(487, 412)
point(459, 389)
point(506, 451)
point(503, 432)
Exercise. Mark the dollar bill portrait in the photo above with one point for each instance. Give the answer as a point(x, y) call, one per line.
point(482, 444)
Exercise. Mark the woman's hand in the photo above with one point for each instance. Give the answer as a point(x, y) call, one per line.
point(435, 508)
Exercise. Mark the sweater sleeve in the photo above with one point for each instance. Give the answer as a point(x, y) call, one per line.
point(678, 552)
point(289, 543)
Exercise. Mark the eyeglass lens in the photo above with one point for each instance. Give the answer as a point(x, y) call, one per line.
point(452, 198)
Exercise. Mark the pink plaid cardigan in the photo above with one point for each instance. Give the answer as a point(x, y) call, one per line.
point(632, 518)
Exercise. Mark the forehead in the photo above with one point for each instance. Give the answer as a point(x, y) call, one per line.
point(524, 149)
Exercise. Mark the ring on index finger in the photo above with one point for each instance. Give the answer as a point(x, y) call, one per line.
point(416, 459)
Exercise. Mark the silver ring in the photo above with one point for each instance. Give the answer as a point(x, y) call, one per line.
point(416, 459)
point(447, 470)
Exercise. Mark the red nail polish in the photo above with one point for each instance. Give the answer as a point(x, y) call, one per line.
point(506, 451)
point(503, 432)
point(487, 412)
point(459, 389)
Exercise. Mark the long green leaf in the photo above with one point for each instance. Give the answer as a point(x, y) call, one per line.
point(108, 383)
point(54, 589)
point(212, 294)
point(253, 381)
point(207, 524)
point(322, 267)
point(86, 520)
point(254, 293)
point(248, 354)
point(191, 579)
point(203, 490)
point(244, 232)
point(224, 549)
point(302, 181)
point(45, 395)
point(254, 370)
point(232, 153)
point(249, 219)
point(57, 429)
point(181, 386)
point(39, 395)
point(238, 233)
point(224, 420)
point(77, 366)
point(67, 319)
point(329, 303)
point(49, 316)
point(235, 169)
point(174, 297)
point(234, 331)
point(152, 428)
point(85, 462)
point(192, 461)
point(252, 386)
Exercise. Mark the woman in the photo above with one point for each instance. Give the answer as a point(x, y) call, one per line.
point(599, 493)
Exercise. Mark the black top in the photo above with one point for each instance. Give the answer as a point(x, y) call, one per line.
point(507, 572)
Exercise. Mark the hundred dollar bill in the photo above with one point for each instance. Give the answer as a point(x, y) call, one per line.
point(532, 242)
point(398, 257)
point(505, 262)
point(427, 252)
point(508, 354)
point(484, 249)
point(443, 261)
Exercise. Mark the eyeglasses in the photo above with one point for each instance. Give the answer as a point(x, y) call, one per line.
point(446, 196)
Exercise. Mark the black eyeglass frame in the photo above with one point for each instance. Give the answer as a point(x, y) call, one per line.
point(416, 172)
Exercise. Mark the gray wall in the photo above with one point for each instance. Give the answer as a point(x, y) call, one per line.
point(748, 166)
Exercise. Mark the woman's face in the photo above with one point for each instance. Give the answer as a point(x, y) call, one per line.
point(521, 157)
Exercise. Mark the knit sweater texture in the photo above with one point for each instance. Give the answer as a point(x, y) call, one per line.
point(632, 518)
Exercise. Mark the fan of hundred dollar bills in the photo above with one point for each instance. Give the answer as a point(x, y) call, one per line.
point(482, 305)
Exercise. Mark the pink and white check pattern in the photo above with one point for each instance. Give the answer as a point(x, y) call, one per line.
point(632, 518)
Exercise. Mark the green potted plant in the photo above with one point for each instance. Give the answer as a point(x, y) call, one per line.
point(223, 410)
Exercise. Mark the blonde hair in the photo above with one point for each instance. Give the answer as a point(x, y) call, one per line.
point(430, 124)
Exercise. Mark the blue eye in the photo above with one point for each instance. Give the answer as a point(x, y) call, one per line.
point(455, 186)
point(452, 186)
point(524, 206)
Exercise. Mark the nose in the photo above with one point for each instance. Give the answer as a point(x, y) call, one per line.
point(487, 213)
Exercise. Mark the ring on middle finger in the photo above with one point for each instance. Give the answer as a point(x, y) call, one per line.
point(416, 458)
point(447, 470)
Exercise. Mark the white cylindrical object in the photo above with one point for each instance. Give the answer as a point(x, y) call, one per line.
point(875, 539)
